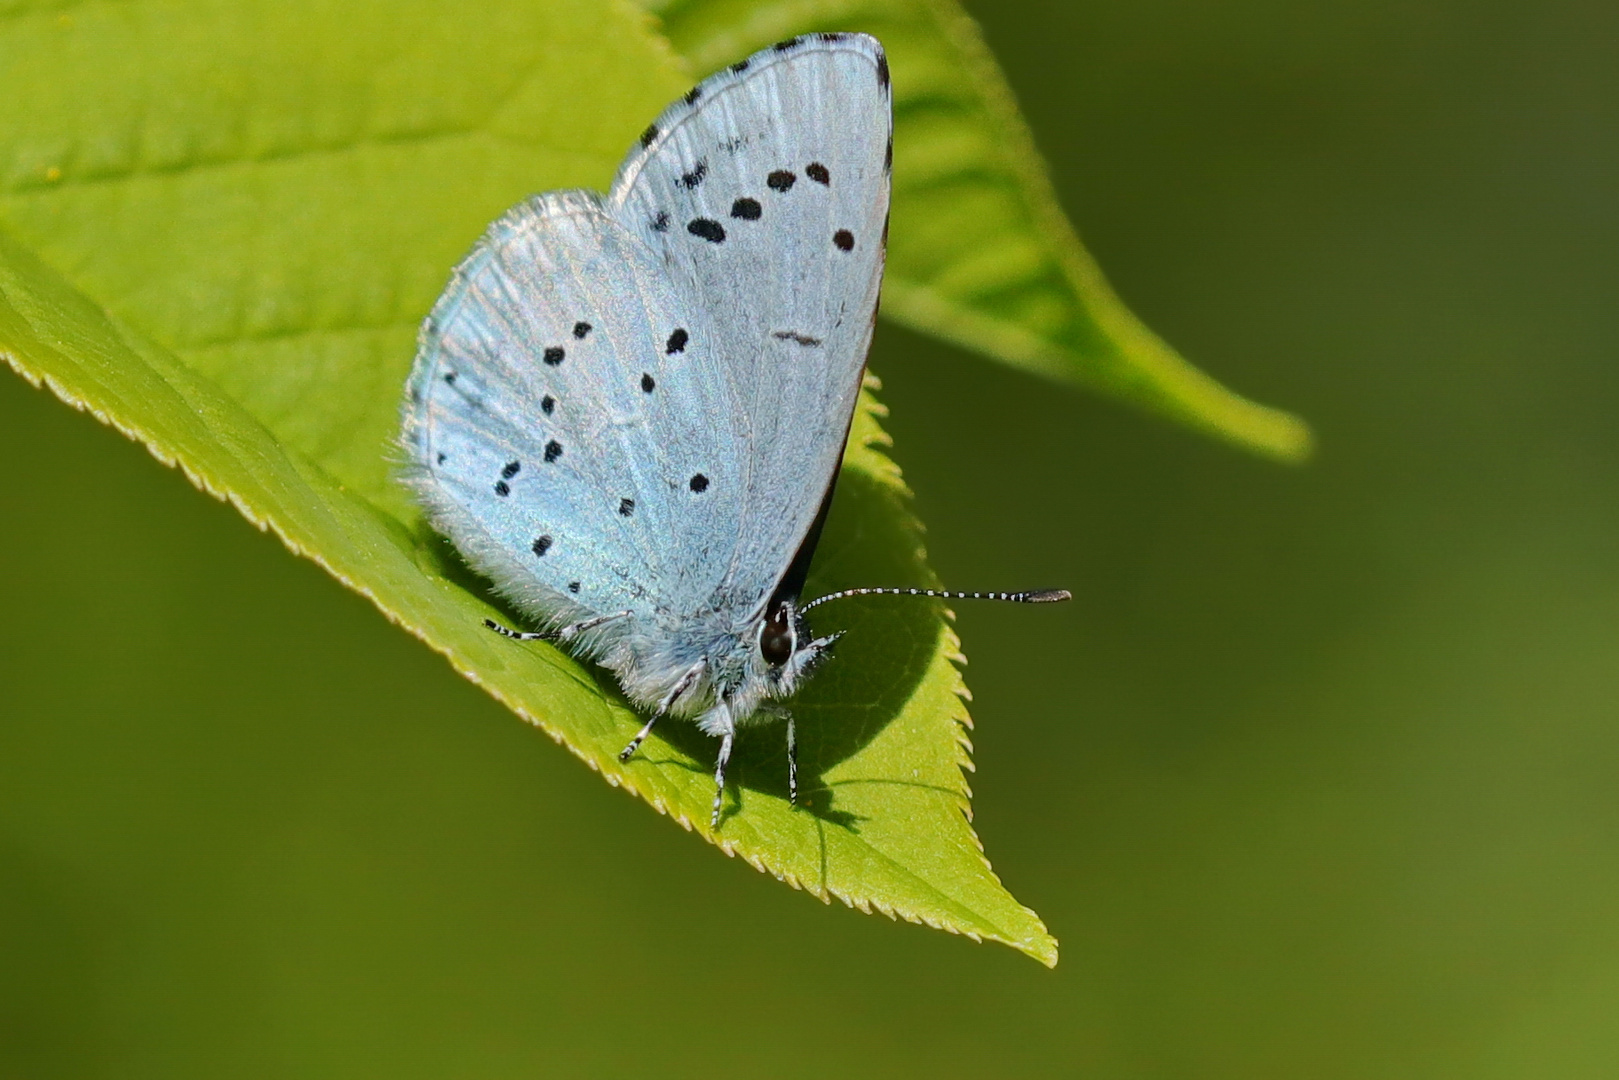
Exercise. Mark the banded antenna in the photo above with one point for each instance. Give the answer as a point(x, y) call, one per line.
point(1037, 596)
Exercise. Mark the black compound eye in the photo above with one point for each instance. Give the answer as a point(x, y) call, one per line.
point(776, 639)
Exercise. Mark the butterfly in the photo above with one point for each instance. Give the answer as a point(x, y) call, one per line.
point(628, 410)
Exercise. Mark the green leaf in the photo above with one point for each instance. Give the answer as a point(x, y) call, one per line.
point(220, 223)
point(981, 253)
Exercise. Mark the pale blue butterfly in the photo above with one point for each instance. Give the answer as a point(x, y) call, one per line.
point(628, 412)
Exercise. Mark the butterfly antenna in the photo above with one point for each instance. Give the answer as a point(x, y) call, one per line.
point(1037, 596)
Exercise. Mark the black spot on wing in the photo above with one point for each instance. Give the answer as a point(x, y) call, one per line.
point(888, 154)
point(817, 172)
point(882, 70)
point(648, 384)
point(626, 507)
point(790, 43)
point(553, 450)
point(692, 95)
point(554, 355)
point(573, 586)
point(677, 342)
point(740, 66)
point(442, 457)
point(648, 135)
point(829, 38)
point(661, 222)
point(580, 329)
point(502, 488)
point(699, 483)
point(548, 404)
point(510, 469)
point(449, 378)
point(844, 239)
point(797, 338)
point(780, 180)
point(707, 228)
point(690, 180)
point(541, 545)
point(746, 209)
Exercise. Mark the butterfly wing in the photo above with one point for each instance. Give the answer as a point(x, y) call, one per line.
point(561, 412)
point(764, 194)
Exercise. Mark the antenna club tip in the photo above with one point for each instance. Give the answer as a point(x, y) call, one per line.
point(1049, 596)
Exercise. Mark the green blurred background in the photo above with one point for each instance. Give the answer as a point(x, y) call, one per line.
point(1317, 777)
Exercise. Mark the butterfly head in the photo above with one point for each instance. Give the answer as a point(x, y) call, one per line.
point(786, 646)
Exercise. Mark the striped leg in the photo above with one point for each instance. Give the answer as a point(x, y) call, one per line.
point(567, 633)
point(640, 737)
point(792, 762)
point(573, 630)
point(719, 773)
point(686, 682)
point(516, 635)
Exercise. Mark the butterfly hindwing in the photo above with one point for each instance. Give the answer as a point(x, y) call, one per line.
point(555, 436)
point(764, 194)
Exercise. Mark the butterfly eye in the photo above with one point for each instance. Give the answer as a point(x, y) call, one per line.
point(776, 637)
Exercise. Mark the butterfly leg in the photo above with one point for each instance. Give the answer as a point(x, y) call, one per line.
point(726, 740)
point(573, 630)
point(792, 762)
point(687, 681)
point(567, 633)
point(640, 736)
point(822, 644)
point(515, 635)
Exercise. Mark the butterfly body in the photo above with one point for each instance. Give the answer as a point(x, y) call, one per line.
point(628, 410)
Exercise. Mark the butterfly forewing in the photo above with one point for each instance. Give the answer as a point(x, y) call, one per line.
point(764, 194)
